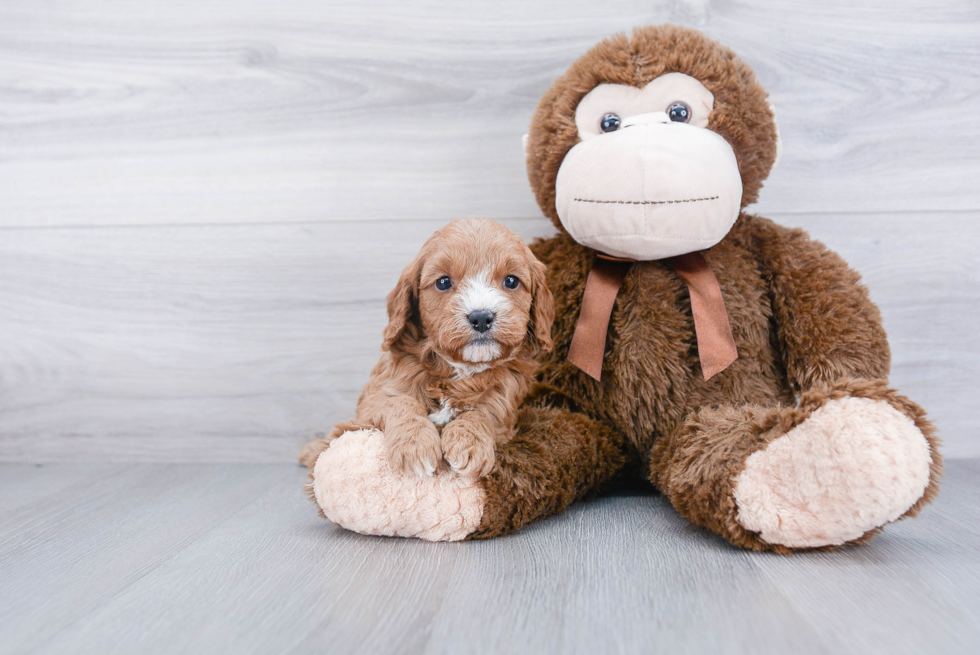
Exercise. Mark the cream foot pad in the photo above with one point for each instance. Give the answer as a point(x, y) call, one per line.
point(852, 466)
point(358, 490)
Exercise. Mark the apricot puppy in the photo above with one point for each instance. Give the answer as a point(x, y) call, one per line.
point(466, 320)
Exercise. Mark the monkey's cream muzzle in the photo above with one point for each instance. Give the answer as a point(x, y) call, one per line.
point(650, 190)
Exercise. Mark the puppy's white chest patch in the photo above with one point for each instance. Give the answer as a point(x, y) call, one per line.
point(445, 414)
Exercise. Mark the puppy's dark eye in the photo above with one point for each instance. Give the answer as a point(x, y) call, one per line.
point(511, 282)
point(679, 112)
point(609, 123)
point(444, 283)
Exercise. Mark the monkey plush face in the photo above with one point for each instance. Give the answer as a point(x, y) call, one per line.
point(644, 153)
point(648, 179)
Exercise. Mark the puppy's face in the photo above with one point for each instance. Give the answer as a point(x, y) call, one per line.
point(480, 293)
point(475, 302)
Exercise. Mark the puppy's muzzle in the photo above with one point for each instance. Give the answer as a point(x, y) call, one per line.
point(481, 320)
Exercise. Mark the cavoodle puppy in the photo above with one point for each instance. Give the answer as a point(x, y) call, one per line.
point(466, 320)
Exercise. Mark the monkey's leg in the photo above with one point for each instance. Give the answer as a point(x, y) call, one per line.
point(851, 457)
point(556, 458)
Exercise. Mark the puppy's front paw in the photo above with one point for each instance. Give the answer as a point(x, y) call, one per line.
point(466, 450)
point(413, 447)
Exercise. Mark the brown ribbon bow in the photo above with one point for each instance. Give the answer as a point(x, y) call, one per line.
point(716, 346)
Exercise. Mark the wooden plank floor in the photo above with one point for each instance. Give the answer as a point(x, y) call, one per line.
point(209, 558)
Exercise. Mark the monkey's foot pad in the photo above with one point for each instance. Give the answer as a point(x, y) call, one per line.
point(358, 489)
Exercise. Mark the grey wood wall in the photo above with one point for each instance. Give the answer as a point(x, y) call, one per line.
point(203, 203)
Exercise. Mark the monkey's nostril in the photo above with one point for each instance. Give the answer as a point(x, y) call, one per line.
point(481, 320)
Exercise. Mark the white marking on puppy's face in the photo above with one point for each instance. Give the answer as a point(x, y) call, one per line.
point(478, 292)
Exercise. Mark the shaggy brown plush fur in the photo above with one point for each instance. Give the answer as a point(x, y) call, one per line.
point(804, 326)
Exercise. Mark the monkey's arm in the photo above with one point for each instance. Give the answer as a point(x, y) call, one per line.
point(557, 457)
point(826, 325)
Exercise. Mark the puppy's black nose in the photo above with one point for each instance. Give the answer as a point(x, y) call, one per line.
point(481, 320)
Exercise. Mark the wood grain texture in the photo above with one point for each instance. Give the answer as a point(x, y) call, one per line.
point(303, 110)
point(238, 343)
point(203, 205)
point(68, 553)
point(231, 558)
point(918, 572)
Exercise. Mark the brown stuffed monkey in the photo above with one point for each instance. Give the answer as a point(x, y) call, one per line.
point(737, 366)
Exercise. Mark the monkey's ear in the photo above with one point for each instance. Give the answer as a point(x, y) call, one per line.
point(542, 307)
point(779, 141)
point(402, 303)
point(524, 144)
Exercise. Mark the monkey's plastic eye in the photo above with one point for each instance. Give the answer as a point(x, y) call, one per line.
point(610, 122)
point(444, 283)
point(679, 112)
point(511, 282)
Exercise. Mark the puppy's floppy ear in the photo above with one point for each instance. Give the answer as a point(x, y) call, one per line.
point(542, 306)
point(403, 303)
